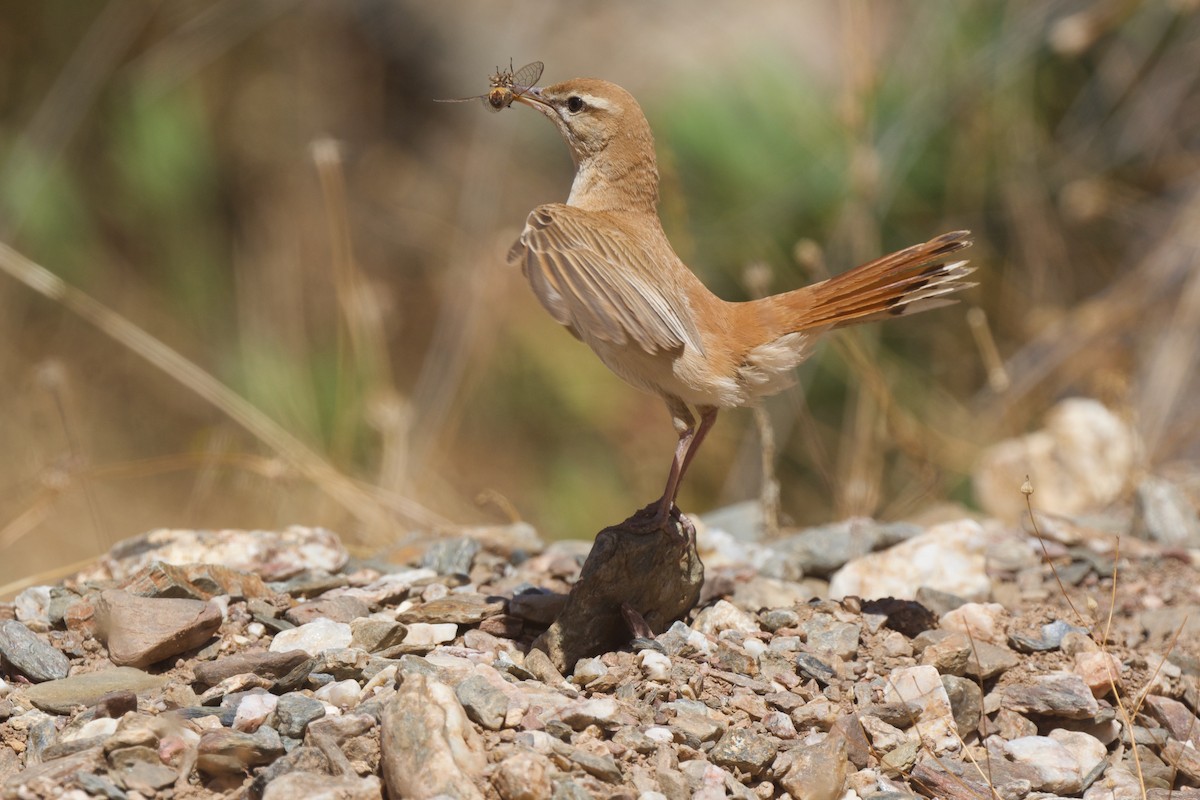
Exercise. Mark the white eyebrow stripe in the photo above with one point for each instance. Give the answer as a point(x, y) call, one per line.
point(597, 102)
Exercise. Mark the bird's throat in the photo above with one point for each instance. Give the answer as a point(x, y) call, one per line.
point(607, 184)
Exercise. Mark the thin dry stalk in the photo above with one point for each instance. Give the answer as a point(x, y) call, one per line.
point(361, 316)
point(769, 495)
point(1126, 717)
point(981, 331)
point(916, 724)
point(1027, 490)
point(360, 503)
point(49, 576)
point(756, 277)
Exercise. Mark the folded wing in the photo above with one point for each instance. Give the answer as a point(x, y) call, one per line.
point(589, 276)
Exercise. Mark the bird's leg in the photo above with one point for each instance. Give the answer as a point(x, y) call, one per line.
point(690, 438)
point(708, 416)
point(681, 417)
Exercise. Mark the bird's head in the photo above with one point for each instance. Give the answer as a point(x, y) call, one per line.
point(606, 131)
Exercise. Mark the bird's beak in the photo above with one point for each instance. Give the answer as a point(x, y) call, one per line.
point(533, 98)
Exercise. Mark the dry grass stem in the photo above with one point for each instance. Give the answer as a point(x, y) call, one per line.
point(362, 504)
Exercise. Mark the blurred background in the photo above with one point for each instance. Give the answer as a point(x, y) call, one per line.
point(287, 300)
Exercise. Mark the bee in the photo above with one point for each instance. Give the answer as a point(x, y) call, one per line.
point(507, 85)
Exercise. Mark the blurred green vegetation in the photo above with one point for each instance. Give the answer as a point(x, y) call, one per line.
point(160, 158)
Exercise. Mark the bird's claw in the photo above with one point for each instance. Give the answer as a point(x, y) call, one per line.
point(652, 519)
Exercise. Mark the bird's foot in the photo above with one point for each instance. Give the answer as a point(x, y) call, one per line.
point(657, 517)
point(638, 627)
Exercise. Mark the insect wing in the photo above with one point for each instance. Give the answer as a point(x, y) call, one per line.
point(527, 76)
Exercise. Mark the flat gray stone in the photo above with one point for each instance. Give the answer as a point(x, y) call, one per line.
point(451, 556)
point(602, 767)
point(740, 749)
point(823, 550)
point(483, 702)
point(461, 609)
point(374, 635)
point(264, 663)
point(61, 696)
point(32, 657)
point(1058, 694)
point(294, 712)
point(139, 768)
point(693, 729)
point(966, 703)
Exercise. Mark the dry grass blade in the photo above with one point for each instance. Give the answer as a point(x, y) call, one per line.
point(1027, 490)
point(43, 578)
point(961, 783)
point(360, 503)
point(361, 316)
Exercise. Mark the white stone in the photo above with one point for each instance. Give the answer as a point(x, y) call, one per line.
point(701, 643)
point(343, 694)
point(313, 637)
point(1087, 749)
point(272, 555)
point(253, 711)
point(755, 647)
point(1057, 769)
point(724, 616)
point(923, 685)
point(655, 666)
point(588, 670)
point(660, 734)
point(514, 715)
point(948, 557)
point(104, 726)
point(221, 601)
point(33, 604)
point(430, 632)
point(1081, 461)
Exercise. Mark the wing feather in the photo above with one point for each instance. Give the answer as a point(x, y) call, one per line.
point(590, 276)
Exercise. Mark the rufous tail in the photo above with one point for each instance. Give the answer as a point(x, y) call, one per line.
point(915, 279)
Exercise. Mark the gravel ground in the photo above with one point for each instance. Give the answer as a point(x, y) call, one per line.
point(969, 658)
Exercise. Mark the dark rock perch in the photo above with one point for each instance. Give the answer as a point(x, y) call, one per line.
point(658, 575)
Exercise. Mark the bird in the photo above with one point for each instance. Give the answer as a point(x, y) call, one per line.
point(602, 266)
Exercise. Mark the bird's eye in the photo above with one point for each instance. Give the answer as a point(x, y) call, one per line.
point(574, 104)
